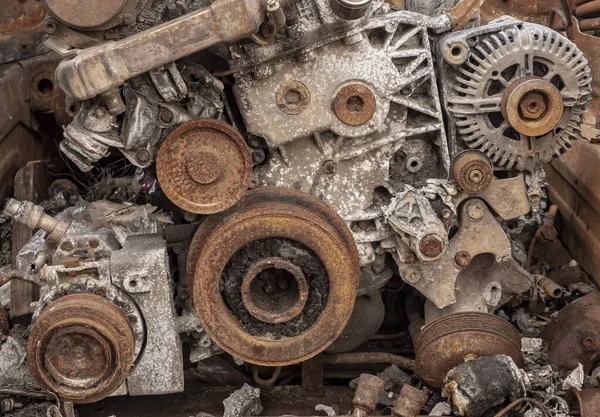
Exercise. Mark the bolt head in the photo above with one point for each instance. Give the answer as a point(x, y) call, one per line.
point(476, 210)
point(463, 258)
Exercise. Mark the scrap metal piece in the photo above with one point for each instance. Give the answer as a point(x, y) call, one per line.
point(479, 385)
point(81, 348)
point(204, 166)
point(33, 217)
point(293, 225)
point(243, 402)
point(445, 343)
point(104, 68)
point(141, 268)
point(495, 74)
point(479, 233)
point(410, 402)
point(584, 403)
point(573, 337)
point(366, 397)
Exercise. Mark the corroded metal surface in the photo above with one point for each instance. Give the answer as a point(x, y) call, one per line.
point(81, 348)
point(410, 402)
point(532, 106)
point(274, 290)
point(445, 343)
point(573, 336)
point(472, 171)
point(585, 403)
point(367, 395)
point(261, 215)
point(355, 104)
point(4, 323)
point(204, 166)
point(526, 10)
point(463, 12)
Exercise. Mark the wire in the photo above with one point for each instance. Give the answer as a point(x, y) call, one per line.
point(512, 405)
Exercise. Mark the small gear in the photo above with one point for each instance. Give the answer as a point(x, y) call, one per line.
point(521, 95)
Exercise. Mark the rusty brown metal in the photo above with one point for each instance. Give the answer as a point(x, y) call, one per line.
point(463, 12)
point(85, 14)
point(446, 342)
point(274, 213)
point(472, 171)
point(589, 45)
point(532, 106)
point(293, 97)
point(584, 403)
point(370, 357)
point(410, 402)
point(81, 347)
point(368, 392)
point(312, 377)
point(463, 258)
point(355, 104)
point(573, 337)
point(20, 30)
point(204, 166)
point(525, 10)
point(432, 245)
point(274, 290)
point(574, 188)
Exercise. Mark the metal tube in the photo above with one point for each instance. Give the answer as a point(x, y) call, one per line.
point(370, 357)
point(103, 68)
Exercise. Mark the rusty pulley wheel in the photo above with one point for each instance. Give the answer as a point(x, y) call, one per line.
point(275, 277)
point(532, 106)
point(448, 341)
point(81, 347)
point(204, 166)
point(472, 171)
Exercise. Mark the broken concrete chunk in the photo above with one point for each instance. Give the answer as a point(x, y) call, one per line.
point(243, 402)
point(441, 409)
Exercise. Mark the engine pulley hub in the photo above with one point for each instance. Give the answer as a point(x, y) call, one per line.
point(81, 348)
point(275, 277)
point(204, 166)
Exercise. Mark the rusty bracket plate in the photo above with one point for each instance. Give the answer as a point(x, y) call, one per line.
point(479, 233)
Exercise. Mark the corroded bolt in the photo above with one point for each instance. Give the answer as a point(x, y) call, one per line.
point(93, 242)
point(166, 116)
point(67, 246)
point(446, 213)
point(143, 155)
point(367, 395)
point(412, 276)
point(33, 216)
point(476, 210)
point(533, 106)
point(463, 258)
point(432, 245)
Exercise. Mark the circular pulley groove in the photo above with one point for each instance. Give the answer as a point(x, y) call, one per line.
point(261, 218)
point(204, 166)
point(81, 347)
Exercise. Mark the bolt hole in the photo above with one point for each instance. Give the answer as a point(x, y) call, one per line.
point(292, 97)
point(355, 104)
point(457, 51)
point(45, 86)
point(133, 283)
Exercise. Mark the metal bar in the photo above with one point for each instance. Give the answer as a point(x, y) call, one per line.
point(370, 357)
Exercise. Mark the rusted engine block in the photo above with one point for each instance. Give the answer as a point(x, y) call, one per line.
point(321, 148)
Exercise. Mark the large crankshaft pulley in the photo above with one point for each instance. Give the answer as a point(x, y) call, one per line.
point(81, 348)
point(274, 278)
